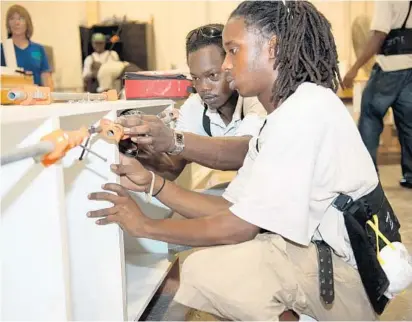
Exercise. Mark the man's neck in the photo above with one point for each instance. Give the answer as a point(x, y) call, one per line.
point(265, 99)
point(228, 109)
point(20, 41)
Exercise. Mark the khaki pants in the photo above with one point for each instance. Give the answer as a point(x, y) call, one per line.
point(258, 280)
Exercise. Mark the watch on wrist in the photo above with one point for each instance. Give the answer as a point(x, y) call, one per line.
point(179, 143)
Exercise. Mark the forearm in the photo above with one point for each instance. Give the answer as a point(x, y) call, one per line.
point(179, 165)
point(222, 229)
point(220, 153)
point(47, 80)
point(187, 203)
point(371, 48)
point(168, 174)
point(168, 171)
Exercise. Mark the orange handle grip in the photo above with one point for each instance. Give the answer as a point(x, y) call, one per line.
point(63, 141)
point(112, 131)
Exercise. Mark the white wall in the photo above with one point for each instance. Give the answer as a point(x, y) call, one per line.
point(57, 24)
point(172, 21)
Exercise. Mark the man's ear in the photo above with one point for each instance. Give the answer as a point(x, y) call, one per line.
point(272, 47)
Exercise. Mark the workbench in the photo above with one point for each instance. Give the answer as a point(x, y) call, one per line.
point(57, 264)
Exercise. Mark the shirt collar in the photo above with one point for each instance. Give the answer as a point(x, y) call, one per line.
point(237, 114)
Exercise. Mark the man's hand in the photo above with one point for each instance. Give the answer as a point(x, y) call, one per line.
point(148, 130)
point(133, 175)
point(125, 212)
point(349, 78)
point(155, 161)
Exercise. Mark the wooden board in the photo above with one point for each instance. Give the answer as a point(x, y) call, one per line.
point(34, 274)
point(58, 265)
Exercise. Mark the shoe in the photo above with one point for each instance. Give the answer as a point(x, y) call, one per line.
point(406, 183)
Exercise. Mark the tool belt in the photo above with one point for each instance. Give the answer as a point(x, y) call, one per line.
point(398, 41)
point(364, 218)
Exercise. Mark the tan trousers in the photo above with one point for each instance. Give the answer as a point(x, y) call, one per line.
point(258, 280)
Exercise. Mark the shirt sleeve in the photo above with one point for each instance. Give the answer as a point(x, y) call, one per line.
point(277, 194)
point(190, 116)
point(382, 17)
point(115, 56)
point(254, 117)
point(3, 59)
point(250, 125)
point(87, 67)
point(44, 67)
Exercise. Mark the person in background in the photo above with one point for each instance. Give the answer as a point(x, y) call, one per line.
point(30, 56)
point(390, 83)
point(93, 62)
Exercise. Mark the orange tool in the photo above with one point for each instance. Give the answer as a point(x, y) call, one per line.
point(38, 95)
point(112, 131)
point(107, 129)
point(29, 95)
point(54, 146)
point(62, 142)
point(51, 148)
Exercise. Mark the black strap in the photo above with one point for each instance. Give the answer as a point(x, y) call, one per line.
point(257, 140)
point(325, 266)
point(342, 202)
point(407, 16)
point(206, 120)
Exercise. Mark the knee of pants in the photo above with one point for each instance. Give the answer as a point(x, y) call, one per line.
point(195, 267)
point(374, 105)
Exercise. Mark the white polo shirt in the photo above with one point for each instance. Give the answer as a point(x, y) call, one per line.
point(309, 151)
point(391, 15)
point(191, 118)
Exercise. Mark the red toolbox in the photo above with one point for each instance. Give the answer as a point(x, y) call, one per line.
point(154, 84)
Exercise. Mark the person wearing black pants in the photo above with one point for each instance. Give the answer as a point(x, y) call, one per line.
point(390, 83)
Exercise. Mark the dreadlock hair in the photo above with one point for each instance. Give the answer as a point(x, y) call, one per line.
point(305, 47)
point(195, 40)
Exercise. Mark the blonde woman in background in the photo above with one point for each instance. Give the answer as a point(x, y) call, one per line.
point(30, 56)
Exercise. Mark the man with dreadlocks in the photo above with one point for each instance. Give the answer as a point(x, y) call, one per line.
point(272, 230)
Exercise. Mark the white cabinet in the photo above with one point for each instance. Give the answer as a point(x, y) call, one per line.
point(57, 264)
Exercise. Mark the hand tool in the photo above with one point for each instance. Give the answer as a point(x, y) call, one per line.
point(38, 95)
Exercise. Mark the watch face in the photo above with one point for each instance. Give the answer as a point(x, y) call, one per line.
point(179, 138)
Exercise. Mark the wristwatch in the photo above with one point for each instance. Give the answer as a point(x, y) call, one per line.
point(179, 143)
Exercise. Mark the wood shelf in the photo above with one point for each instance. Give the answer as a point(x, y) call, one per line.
point(144, 274)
